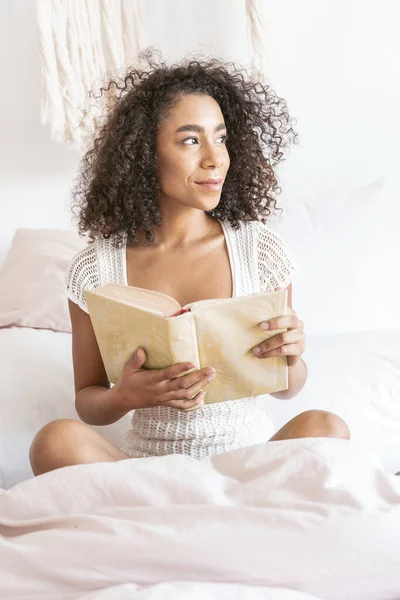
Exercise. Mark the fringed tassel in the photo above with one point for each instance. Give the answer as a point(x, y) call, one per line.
point(256, 30)
point(79, 42)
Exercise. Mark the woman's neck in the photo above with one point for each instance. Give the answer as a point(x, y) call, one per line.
point(183, 227)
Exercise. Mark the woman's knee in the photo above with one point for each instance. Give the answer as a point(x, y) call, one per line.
point(326, 423)
point(53, 443)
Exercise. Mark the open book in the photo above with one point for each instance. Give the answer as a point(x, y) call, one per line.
point(216, 333)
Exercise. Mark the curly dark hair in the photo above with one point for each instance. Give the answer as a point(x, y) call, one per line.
point(116, 191)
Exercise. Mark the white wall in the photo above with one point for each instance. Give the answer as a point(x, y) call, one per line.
point(336, 62)
point(35, 174)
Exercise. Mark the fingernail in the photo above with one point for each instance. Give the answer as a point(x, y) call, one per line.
point(264, 326)
point(211, 377)
point(257, 350)
point(210, 371)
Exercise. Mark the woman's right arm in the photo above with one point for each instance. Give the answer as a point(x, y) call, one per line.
point(95, 402)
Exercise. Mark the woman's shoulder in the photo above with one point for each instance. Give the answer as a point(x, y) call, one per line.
point(268, 239)
point(276, 265)
point(99, 263)
point(256, 231)
point(83, 274)
point(276, 268)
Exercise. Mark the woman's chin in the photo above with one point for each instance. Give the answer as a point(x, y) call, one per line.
point(208, 204)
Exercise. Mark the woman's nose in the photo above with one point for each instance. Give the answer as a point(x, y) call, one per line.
point(212, 157)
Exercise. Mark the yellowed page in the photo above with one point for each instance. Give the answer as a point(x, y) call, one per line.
point(227, 332)
point(121, 329)
point(183, 340)
point(134, 296)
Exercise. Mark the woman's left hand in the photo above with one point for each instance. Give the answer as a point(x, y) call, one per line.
point(290, 343)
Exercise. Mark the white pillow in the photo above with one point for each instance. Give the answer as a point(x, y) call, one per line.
point(347, 245)
point(32, 279)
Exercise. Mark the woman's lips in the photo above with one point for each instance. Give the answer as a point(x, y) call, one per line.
point(211, 185)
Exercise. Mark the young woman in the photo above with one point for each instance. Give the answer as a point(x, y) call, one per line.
point(174, 194)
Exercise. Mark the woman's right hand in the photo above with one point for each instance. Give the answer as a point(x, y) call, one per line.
point(142, 388)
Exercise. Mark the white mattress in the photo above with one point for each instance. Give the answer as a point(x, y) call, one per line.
point(37, 387)
point(357, 376)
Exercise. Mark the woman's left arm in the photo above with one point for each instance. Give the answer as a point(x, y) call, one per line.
point(291, 343)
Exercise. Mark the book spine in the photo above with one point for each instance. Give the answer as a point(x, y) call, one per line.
point(183, 339)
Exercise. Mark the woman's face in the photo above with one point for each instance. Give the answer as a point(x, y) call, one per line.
point(191, 152)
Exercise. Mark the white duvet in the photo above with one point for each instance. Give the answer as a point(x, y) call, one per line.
point(297, 519)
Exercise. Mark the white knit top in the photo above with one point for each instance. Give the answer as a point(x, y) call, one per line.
point(259, 262)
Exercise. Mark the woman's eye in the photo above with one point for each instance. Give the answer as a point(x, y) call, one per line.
point(188, 141)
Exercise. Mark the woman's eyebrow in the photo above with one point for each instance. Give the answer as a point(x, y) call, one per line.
point(198, 128)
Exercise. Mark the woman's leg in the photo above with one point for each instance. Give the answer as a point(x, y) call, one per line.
point(67, 442)
point(313, 423)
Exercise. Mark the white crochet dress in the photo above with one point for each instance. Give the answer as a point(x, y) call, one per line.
point(259, 262)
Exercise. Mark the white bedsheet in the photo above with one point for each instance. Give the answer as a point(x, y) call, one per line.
point(316, 516)
point(183, 590)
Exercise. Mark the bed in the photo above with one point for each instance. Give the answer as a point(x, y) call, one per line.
point(300, 519)
point(37, 387)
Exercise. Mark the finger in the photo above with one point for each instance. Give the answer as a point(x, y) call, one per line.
point(287, 337)
point(173, 372)
point(138, 360)
point(187, 404)
point(286, 350)
point(184, 383)
point(284, 322)
point(192, 391)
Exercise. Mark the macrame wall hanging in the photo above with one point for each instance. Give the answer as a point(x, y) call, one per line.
point(255, 26)
point(81, 41)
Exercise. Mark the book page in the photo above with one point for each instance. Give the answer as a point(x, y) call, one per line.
point(202, 303)
point(121, 329)
point(226, 333)
point(142, 298)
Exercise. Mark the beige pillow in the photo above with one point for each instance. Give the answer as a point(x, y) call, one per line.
point(32, 279)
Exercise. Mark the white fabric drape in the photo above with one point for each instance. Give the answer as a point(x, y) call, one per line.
point(255, 30)
point(79, 42)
